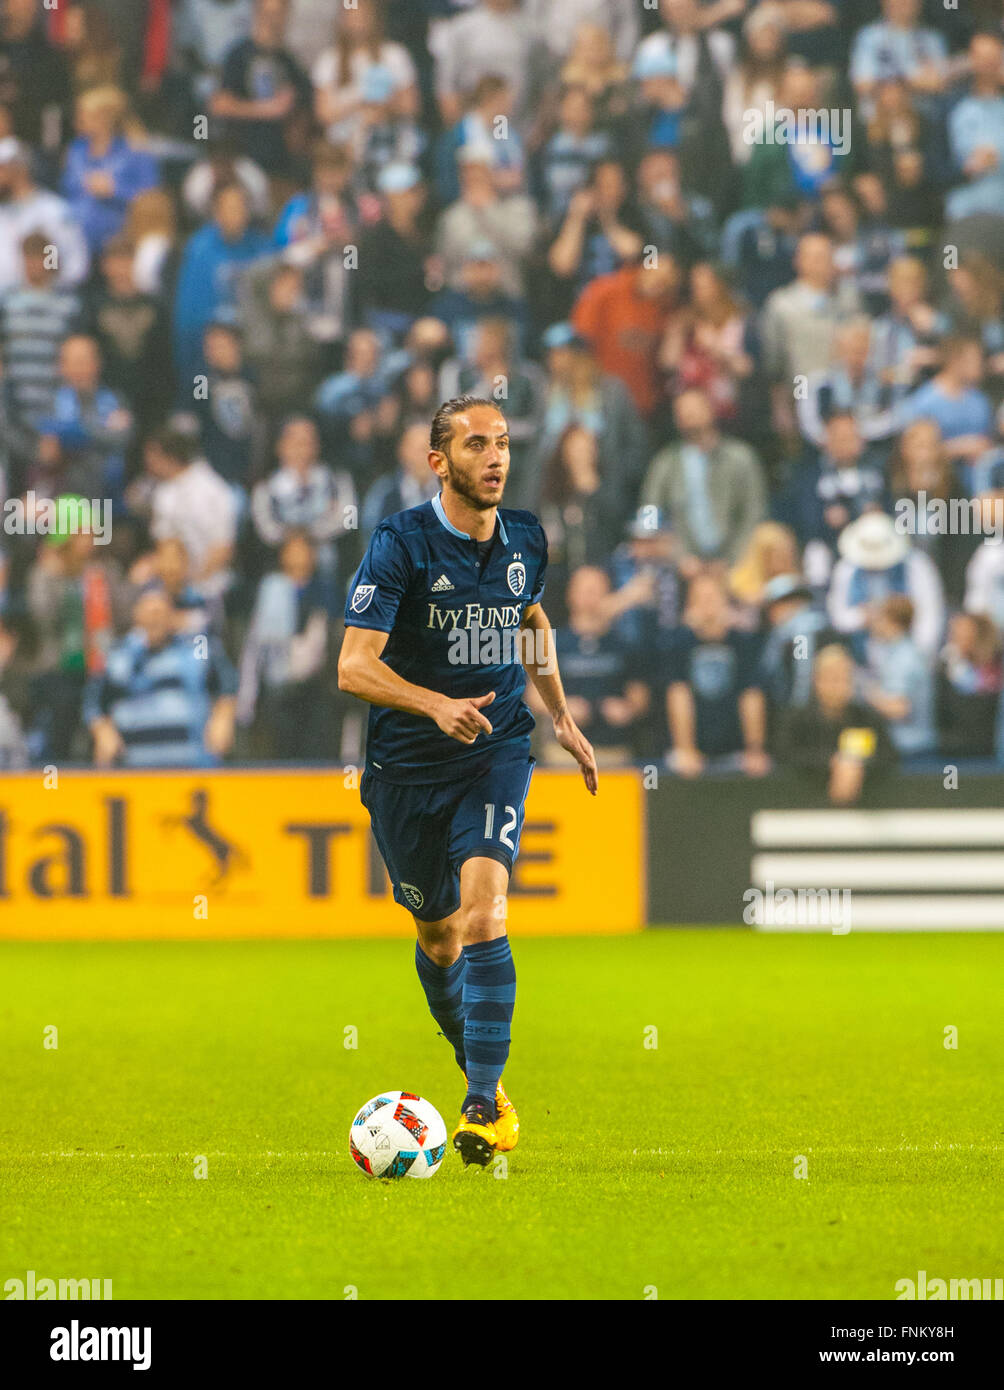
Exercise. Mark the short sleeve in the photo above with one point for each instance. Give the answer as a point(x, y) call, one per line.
point(540, 580)
point(380, 583)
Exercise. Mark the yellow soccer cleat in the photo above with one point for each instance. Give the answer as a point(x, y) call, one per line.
point(475, 1138)
point(506, 1122)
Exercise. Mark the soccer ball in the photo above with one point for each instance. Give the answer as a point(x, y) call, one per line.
point(398, 1135)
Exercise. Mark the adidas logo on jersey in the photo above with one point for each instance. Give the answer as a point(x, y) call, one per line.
point(441, 585)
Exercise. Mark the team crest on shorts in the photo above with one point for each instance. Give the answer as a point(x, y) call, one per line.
point(362, 597)
point(516, 576)
point(415, 897)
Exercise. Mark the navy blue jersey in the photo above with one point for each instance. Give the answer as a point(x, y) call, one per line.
point(453, 627)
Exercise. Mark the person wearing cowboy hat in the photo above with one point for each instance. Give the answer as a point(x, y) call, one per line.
point(876, 560)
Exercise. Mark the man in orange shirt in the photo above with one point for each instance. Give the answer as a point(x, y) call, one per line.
point(623, 316)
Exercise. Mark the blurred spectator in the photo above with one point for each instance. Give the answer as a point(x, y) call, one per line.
point(715, 707)
point(772, 551)
point(488, 38)
point(594, 65)
point(284, 657)
point(581, 510)
point(192, 502)
point(756, 78)
point(573, 149)
point(844, 482)
point(898, 46)
point(953, 399)
point(71, 594)
point(604, 693)
point(494, 367)
point(361, 64)
point(976, 132)
point(921, 474)
point(36, 317)
point(799, 322)
point(558, 23)
point(133, 333)
point(34, 82)
point(836, 742)
point(709, 486)
point(169, 566)
point(26, 208)
point(985, 571)
point(82, 443)
point(315, 228)
point(969, 681)
point(903, 342)
point(104, 169)
point(351, 403)
point(479, 297)
point(647, 595)
point(601, 232)
point(222, 164)
point(231, 425)
point(165, 699)
point(796, 629)
point(14, 700)
point(264, 96)
point(576, 391)
point(412, 482)
point(207, 278)
point(713, 347)
point(670, 216)
point(486, 127)
point(900, 680)
point(877, 560)
point(397, 270)
point(151, 226)
point(484, 214)
point(850, 385)
point(623, 317)
point(304, 494)
point(281, 349)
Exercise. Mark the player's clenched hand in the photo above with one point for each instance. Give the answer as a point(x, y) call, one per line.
point(462, 719)
point(571, 738)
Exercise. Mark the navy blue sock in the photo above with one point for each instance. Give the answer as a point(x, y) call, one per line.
point(489, 1000)
point(443, 987)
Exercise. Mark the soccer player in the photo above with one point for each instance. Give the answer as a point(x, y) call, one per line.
point(443, 623)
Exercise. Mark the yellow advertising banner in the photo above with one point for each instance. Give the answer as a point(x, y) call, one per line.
point(282, 853)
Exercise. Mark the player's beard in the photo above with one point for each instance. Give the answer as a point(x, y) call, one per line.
point(467, 484)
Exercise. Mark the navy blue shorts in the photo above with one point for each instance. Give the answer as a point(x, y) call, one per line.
point(426, 831)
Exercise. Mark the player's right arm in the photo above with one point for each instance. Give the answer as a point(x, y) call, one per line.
point(362, 673)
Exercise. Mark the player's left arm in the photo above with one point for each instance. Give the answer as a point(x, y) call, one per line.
point(540, 662)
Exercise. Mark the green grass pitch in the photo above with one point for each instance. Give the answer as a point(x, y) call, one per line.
point(669, 1168)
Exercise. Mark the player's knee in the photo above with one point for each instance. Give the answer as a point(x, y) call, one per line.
point(483, 921)
point(441, 944)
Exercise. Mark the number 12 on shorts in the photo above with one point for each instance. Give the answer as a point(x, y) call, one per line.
point(506, 829)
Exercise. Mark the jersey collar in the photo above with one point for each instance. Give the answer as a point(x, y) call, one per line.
point(437, 507)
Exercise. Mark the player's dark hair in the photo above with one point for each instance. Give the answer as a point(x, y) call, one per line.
point(442, 421)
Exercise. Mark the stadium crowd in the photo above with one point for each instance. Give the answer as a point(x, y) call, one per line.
point(248, 246)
